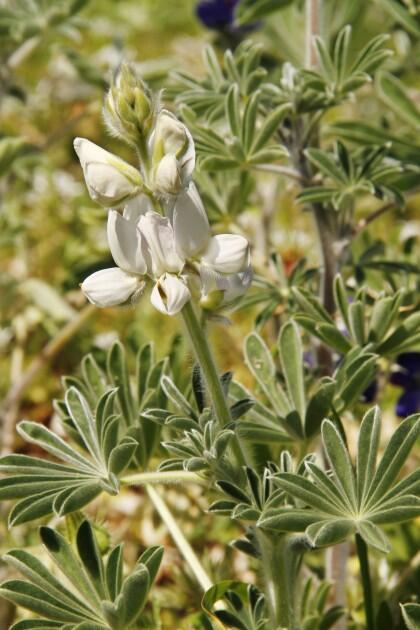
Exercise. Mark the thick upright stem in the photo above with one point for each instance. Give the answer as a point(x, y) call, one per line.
point(280, 561)
point(362, 552)
point(208, 367)
point(207, 364)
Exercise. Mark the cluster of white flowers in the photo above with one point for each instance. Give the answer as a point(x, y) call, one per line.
point(175, 249)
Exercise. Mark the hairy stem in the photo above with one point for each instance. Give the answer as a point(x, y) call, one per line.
point(207, 364)
point(362, 552)
point(280, 561)
point(178, 536)
point(208, 367)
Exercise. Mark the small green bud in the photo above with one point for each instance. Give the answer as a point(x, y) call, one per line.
point(212, 301)
point(129, 109)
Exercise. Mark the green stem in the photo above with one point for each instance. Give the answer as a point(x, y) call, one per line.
point(208, 367)
point(362, 552)
point(280, 561)
point(178, 536)
point(207, 364)
point(178, 476)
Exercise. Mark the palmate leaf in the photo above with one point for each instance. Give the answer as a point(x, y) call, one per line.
point(133, 394)
point(82, 471)
point(245, 606)
point(97, 596)
point(375, 324)
point(352, 499)
point(296, 407)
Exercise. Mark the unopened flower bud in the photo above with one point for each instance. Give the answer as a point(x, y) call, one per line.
point(212, 301)
point(173, 155)
point(110, 180)
point(167, 179)
point(129, 107)
point(171, 136)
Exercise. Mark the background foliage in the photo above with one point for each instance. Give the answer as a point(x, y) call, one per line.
point(57, 59)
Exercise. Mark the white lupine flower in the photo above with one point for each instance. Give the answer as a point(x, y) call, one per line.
point(142, 246)
point(173, 155)
point(148, 245)
point(110, 180)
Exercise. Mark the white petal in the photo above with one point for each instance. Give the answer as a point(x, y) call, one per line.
point(109, 179)
point(227, 253)
point(88, 151)
point(172, 136)
point(125, 243)
point(137, 206)
point(169, 294)
point(237, 284)
point(167, 178)
point(110, 287)
point(187, 161)
point(191, 226)
point(159, 237)
point(171, 132)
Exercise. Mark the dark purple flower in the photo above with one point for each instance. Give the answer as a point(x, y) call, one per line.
point(371, 391)
point(407, 376)
point(217, 14)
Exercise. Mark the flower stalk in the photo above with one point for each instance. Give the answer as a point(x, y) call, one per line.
point(205, 359)
point(362, 553)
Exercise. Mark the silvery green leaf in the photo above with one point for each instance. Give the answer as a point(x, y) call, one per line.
point(304, 490)
point(290, 351)
point(333, 337)
point(94, 376)
point(373, 536)
point(318, 408)
point(89, 554)
point(261, 364)
point(358, 379)
point(340, 53)
point(178, 399)
point(331, 532)
point(93, 597)
point(411, 615)
point(232, 110)
point(393, 458)
point(288, 520)
point(269, 127)
point(118, 376)
point(393, 92)
point(402, 16)
point(339, 459)
point(357, 321)
point(367, 450)
point(114, 571)
point(400, 335)
point(144, 362)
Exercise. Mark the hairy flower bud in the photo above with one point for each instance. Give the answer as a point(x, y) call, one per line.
point(129, 107)
point(173, 155)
